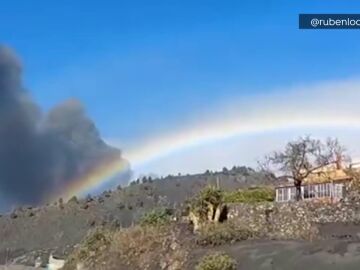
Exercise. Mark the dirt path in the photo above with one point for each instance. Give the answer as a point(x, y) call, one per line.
point(294, 255)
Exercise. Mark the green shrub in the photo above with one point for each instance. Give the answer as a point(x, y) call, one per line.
point(250, 195)
point(158, 216)
point(217, 261)
point(74, 200)
point(210, 195)
point(215, 234)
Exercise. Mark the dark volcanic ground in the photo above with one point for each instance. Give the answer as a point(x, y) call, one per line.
point(280, 255)
point(291, 255)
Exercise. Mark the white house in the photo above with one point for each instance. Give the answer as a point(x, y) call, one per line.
point(325, 184)
point(331, 190)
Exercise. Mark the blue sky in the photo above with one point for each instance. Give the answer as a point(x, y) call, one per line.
point(143, 67)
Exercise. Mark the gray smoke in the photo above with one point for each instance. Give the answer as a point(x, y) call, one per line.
point(41, 152)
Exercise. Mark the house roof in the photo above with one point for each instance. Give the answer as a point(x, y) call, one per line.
point(283, 181)
point(323, 175)
point(327, 175)
point(339, 180)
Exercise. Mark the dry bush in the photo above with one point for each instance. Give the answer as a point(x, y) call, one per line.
point(215, 234)
point(150, 247)
point(139, 247)
point(91, 250)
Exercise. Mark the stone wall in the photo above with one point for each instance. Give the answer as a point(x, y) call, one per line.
point(293, 220)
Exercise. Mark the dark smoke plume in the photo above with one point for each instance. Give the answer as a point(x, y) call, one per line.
point(41, 152)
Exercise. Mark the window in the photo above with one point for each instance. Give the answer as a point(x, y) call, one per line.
point(282, 195)
point(309, 192)
point(292, 193)
point(312, 191)
point(324, 190)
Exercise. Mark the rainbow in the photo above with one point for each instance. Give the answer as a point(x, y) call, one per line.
point(162, 146)
point(90, 180)
point(325, 105)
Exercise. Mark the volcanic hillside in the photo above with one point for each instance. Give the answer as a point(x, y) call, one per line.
point(59, 226)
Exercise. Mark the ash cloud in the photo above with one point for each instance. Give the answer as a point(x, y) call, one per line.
point(39, 152)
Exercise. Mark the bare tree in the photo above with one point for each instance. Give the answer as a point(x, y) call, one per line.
point(304, 157)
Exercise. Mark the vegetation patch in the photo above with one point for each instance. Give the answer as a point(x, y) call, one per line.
point(208, 200)
point(250, 195)
point(158, 216)
point(207, 207)
point(217, 261)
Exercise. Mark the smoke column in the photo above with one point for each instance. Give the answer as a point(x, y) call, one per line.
point(42, 152)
